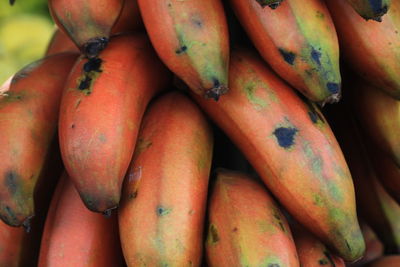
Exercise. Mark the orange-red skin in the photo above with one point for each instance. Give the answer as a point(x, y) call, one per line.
point(307, 173)
point(386, 261)
point(162, 214)
point(60, 42)
point(74, 236)
point(379, 117)
point(28, 122)
point(85, 20)
point(311, 251)
point(11, 245)
point(306, 34)
point(129, 19)
point(246, 226)
point(98, 125)
point(191, 38)
point(370, 47)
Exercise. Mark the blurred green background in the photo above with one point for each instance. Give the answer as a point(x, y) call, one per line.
point(25, 30)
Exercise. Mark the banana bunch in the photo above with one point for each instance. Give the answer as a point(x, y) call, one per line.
point(196, 133)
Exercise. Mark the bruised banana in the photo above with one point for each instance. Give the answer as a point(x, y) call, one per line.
point(191, 38)
point(371, 9)
point(246, 226)
point(162, 214)
point(101, 110)
point(87, 22)
point(74, 236)
point(370, 48)
point(29, 111)
point(292, 148)
point(299, 42)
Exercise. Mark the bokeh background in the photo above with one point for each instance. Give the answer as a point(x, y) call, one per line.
point(25, 30)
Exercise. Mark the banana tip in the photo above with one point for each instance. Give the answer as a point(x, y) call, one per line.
point(94, 46)
point(108, 212)
point(216, 92)
point(27, 224)
point(12, 2)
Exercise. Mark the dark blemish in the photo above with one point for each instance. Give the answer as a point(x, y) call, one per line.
point(169, 5)
point(161, 211)
point(217, 90)
point(323, 262)
point(216, 82)
point(12, 2)
point(85, 83)
point(274, 5)
point(377, 7)
point(288, 56)
point(316, 56)
point(11, 215)
point(273, 265)
point(73, 126)
point(181, 50)
point(329, 256)
point(94, 46)
point(108, 212)
point(285, 136)
point(27, 224)
point(191, 212)
point(234, 229)
point(214, 234)
point(197, 22)
point(313, 116)
point(10, 181)
point(133, 195)
point(93, 64)
point(334, 88)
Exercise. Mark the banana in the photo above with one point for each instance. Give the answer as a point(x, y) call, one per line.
point(191, 38)
point(28, 123)
point(371, 9)
point(299, 42)
point(370, 48)
point(292, 148)
point(100, 114)
point(165, 192)
point(246, 226)
point(88, 23)
point(74, 236)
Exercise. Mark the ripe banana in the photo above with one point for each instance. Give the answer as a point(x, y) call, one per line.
point(88, 23)
point(28, 123)
point(162, 214)
point(191, 38)
point(246, 226)
point(299, 42)
point(292, 148)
